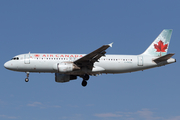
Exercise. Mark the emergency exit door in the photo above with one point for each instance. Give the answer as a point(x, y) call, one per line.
point(140, 60)
point(27, 59)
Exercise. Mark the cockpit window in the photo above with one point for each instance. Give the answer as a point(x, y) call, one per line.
point(15, 58)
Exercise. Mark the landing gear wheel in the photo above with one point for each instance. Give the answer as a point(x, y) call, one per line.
point(26, 80)
point(84, 83)
point(86, 77)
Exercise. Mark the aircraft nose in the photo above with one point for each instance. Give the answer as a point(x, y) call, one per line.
point(10, 65)
point(7, 65)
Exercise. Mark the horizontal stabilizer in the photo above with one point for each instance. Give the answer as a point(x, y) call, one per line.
point(164, 58)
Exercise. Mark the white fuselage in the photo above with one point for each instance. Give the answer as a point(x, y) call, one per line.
point(106, 64)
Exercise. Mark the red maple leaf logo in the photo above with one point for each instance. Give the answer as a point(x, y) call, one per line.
point(160, 47)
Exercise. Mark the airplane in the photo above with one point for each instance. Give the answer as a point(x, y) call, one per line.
point(70, 66)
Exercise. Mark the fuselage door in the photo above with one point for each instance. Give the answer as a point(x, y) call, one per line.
point(140, 60)
point(27, 58)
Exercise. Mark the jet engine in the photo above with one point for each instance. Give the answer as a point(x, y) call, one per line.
point(64, 78)
point(65, 67)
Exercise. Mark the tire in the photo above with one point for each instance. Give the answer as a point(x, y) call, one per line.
point(84, 83)
point(26, 80)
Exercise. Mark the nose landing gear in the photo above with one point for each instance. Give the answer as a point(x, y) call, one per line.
point(85, 78)
point(27, 79)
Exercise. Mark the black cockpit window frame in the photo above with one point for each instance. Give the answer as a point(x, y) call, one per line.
point(15, 58)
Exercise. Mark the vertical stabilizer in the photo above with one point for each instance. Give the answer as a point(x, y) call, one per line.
point(160, 45)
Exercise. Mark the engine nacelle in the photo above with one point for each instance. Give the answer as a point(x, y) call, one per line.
point(65, 67)
point(64, 78)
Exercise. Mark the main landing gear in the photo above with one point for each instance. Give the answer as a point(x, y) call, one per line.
point(27, 79)
point(85, 78)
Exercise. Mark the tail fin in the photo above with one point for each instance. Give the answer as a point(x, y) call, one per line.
point(160, 45)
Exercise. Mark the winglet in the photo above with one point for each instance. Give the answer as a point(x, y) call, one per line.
point(110, 44)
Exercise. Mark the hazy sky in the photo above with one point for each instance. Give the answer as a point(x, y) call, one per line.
point(70, 26)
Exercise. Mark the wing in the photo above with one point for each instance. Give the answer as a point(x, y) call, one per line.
point(89, 59)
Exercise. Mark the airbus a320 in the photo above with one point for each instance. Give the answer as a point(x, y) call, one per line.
point(70, 66)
